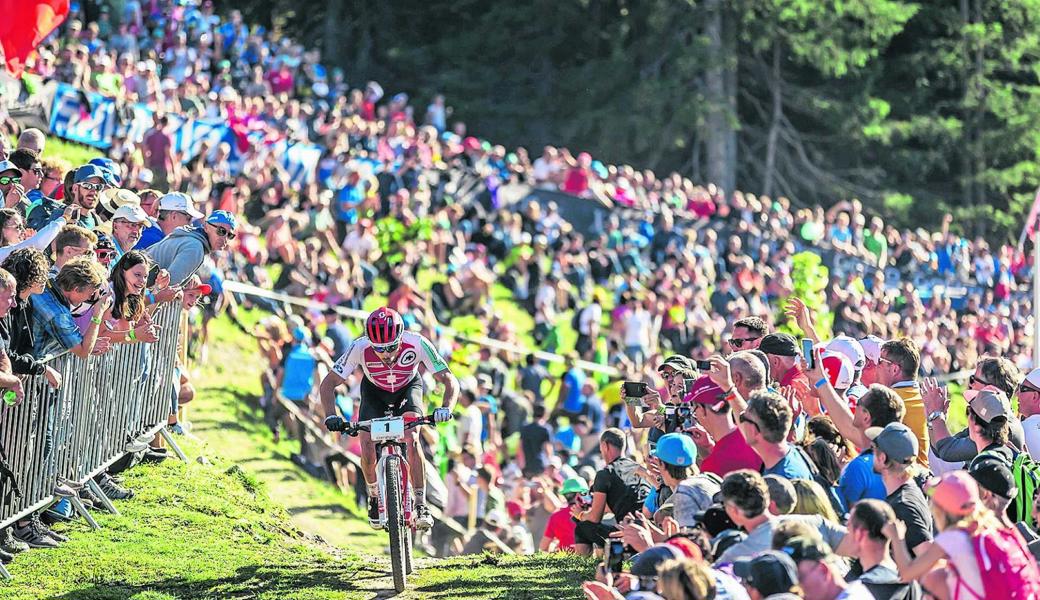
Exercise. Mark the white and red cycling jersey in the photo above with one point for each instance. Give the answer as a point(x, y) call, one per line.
point(415, 350)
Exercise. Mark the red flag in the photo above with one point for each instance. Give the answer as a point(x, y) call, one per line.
point(1029, 229)
point(24, 25)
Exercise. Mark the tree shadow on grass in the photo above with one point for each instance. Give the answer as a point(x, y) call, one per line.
point(247, 582)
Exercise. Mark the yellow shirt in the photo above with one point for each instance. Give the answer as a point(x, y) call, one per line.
point(915, 417)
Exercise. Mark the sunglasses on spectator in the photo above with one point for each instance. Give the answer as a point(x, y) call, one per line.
point(105, 254)
point(18, 226)
point(1023, 388)
point(52, 178)
point(5, 180)
point(972, 380)
point(94, 187)
point(387, 348)
point(226, 233)
point(738, 342)
point(744, 419)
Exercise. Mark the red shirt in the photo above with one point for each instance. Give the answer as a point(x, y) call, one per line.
point(577, 181)
point(731, 453)
point(561, 527)
point(802, 391)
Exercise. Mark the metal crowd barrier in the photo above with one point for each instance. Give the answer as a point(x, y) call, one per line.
point(106, 405)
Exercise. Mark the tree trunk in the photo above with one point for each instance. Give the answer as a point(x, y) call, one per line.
point(774, 125)
point(718, 132)
point(334, 34)
point(968, 179)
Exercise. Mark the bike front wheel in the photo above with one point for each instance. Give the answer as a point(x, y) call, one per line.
point(395, 524)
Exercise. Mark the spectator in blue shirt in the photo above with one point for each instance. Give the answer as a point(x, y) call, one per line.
point(54, 329)
point(765, 425)
point(877, 408)
point(570, 401)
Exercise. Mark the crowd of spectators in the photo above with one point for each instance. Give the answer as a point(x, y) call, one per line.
point(729, 465)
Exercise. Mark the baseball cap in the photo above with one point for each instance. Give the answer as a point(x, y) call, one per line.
point(839, 369)
point(6, 165)
point(779, 344)
point(179, 202)
point(1033, 378)
point(575, 485)
point(495, 518)
point(108, 166)
point(646, 562)
point(87, 171)
point(955, 492)
point(801, 548)
point(990, 403)
point(677, 362)
point(705, 391)
point(299, 334)
point(993, 476)
point(132, 213)
point(872, 348)
point(676, 449)
point(223, 218)
point(849, 348)
point(896, 440)
point(771, 572)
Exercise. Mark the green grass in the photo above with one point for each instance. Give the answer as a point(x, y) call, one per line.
point(75, 154)
point(243, 523)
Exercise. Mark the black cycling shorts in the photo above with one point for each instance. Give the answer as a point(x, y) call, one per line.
point(375, 401)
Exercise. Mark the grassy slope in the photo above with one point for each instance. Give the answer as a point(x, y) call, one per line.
point(234, 528)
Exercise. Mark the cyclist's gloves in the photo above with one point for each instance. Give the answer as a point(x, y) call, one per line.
point(335, 423)
point(442, 415)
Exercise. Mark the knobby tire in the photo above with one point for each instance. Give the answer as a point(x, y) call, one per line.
point(395, 521)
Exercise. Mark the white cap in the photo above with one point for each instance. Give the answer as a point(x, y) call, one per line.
point(179, 202)
point(131, 212)
point(145, 176)
point(495, 518)
point(845, 372)
point(6, 165)
point(872, 348)
point(850, 348)
point(1033, 378)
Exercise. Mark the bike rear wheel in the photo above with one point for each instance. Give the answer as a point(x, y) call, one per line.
point(395, 520)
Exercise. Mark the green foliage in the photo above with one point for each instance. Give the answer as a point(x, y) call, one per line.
point(809, 278)
point(934, 103)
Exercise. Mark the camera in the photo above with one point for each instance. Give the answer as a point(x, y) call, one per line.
point(635, 389)
point(615, 555)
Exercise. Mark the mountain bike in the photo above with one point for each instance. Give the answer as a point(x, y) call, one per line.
point(395, 497)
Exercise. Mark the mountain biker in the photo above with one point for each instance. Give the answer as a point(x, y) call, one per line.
point(390, 358)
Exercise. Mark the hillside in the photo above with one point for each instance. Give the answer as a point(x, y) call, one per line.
point(244, 523)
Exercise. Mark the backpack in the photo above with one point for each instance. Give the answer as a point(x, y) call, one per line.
point(1026, 472)
point(1006, 568)
point(576, 319)
point(828, 487)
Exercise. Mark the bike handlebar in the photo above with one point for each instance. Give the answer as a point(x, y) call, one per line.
point(352, 429)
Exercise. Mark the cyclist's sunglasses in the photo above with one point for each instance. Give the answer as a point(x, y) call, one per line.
point(387, 348)
point(5, 180)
